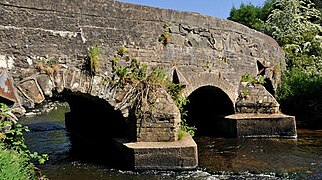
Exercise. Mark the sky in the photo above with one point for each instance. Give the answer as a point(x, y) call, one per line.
point(216, 8)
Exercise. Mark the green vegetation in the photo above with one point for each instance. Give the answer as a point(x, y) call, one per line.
point(16, 161)
point(14, 165)
point(252, 16)
point(295, 25)
point(165, 38)
point(253, 79)
point(136, 74)
point(49, 67)
point(93, 55)
point(121, 51)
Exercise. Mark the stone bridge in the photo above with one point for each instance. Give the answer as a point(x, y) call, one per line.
point(44, 47)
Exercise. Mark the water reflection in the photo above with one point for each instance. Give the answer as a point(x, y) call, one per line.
point(219, 158)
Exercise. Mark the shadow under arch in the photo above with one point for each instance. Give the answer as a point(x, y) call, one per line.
point(92, 124)
point(206, 110)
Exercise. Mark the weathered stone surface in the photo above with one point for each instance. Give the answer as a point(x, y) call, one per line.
point(263, 125)
point(46, 84)
point(31, 90)
point(158, 119)
point(68, 39)
point(256, 99)
point(178, 155)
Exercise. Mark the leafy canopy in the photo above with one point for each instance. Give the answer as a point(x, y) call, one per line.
point(250, 15)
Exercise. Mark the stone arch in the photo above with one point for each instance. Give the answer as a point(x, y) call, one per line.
point(95, 115)
point(210, 79)
point(85, 95)
point(206, 110)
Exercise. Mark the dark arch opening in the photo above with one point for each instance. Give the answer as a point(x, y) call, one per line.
point(261, 68)
point(93, 125)
point(206, 110)
point(175, 77)
point(268, 83)
point(269, 86)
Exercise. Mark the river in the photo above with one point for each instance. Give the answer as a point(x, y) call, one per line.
point(219, 158)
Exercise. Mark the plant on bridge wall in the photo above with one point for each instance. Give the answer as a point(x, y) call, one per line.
point(144, 83)
point(93, 56)
point(251, 79)
point(165, 38)
point(49, 67)
point(121, 51)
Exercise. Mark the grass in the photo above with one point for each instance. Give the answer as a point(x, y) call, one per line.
point(165, 38)
point(14, 166)
point(93, 59)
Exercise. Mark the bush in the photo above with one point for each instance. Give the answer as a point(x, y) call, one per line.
point(297, 83)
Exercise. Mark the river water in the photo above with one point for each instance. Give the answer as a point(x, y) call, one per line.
point(219, 158)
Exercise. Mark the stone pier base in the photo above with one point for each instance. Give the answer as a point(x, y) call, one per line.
point(178, 155)
point(262, 125)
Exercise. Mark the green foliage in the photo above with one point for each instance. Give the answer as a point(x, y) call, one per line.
point(253, 79)
point(175, 90)
point(13, 165)
point(301, 42)
point(139, 70)
point(250, 15)
point(15, 158)
point(292, 22)
point(181, 133)
point(247, 14)
point(93, 59)
point(297, 83)
point(121, 51)
point(136, 73)
point(13, 137)
point(318, 5)
point(165, 38)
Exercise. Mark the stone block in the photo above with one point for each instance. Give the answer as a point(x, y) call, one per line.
point(263, 125)
point(178, 155)
point(46, 84)
point(31, 90)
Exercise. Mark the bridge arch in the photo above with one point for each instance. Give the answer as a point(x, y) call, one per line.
point(206, 110)
point(211, 97)
point(211, 79)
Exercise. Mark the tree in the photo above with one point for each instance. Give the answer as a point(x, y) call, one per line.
point(295, 25)
point(250, 15)
point(292, 24)
point(247, 15)
point(318, 4)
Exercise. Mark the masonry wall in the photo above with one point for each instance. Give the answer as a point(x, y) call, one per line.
point(34, 30)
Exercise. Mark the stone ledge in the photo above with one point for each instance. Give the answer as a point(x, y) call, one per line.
point(263, 125)
point(178, 155)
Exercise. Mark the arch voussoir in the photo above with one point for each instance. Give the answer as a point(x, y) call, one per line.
point(211, 79)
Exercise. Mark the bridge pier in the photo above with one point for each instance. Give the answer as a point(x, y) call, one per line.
point(262, 125)
point(176, 155)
